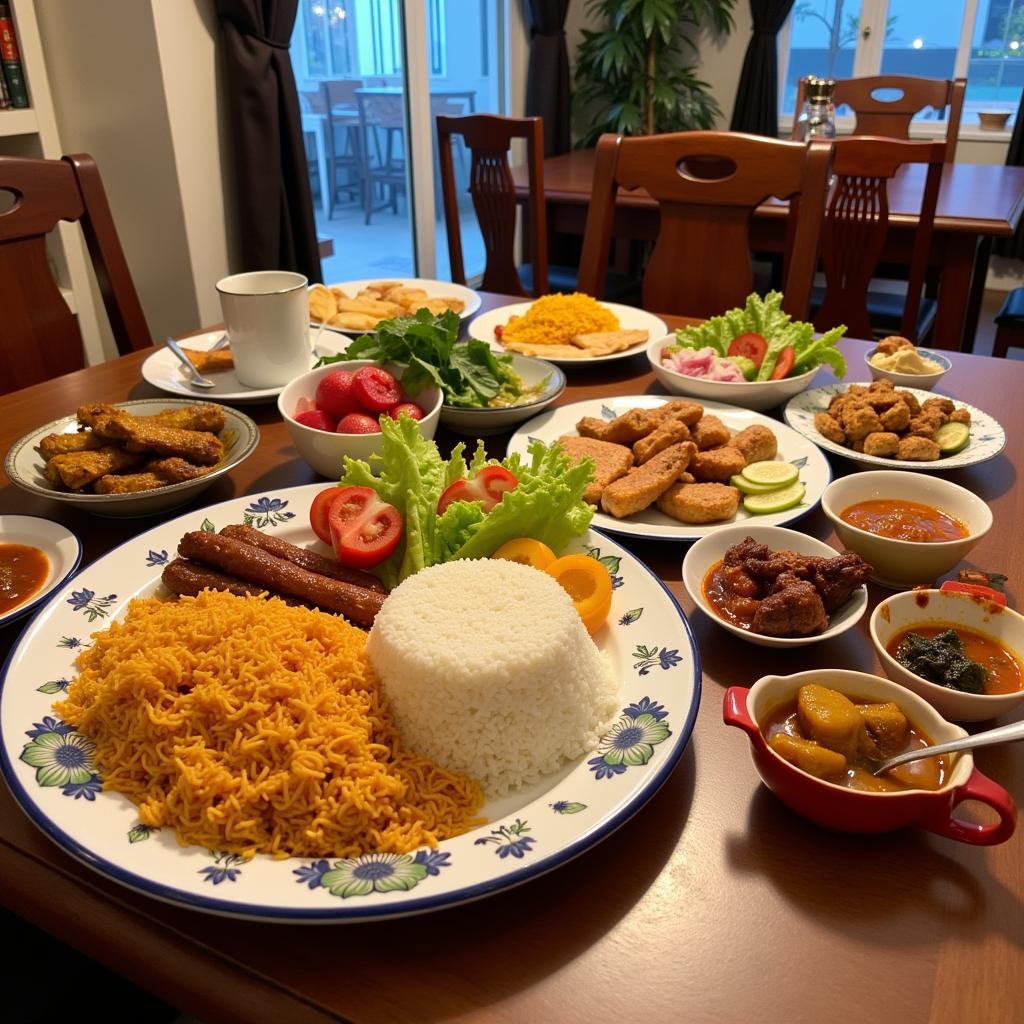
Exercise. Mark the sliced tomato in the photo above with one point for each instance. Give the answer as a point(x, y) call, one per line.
point(784, 364)
point(488, 486)
point(751, 345)
point(364, 529)
point(318, 512)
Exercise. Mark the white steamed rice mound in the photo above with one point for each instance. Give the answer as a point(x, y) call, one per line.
point(489, 671)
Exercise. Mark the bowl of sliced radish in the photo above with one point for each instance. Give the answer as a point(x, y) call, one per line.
point(335, 410)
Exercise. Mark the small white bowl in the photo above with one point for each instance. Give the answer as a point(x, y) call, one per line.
point(481, 422)
point(323, 450)
point(924, 381)
point(24, 465)
point(711, 549)
point(902, 564)
point(930, 607)
point(62, 548)
point(748, 394)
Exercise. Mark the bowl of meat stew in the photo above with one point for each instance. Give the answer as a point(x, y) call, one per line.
point(775, 587)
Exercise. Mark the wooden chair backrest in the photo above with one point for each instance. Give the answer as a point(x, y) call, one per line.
point(489, 138)
point(891, 118)
point(857, 221)
point(39, 336)
point(708, 185)
point(340, 92)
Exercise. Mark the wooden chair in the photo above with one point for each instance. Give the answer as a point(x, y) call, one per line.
point(856, 223)
point(39, 336)
point(342, 139)
point(891, 118)
point(708, 185)
point(381, 129)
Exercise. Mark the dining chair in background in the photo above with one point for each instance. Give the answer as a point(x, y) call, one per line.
point(854, 232)
point(382, 150)
point(889, 115)
point(707, 186)
point(343, 141)
point(40, 338)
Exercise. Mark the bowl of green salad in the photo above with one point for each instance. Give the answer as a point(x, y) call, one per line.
point(756, 356)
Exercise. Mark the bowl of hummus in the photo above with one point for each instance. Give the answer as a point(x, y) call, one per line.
point(900, 361)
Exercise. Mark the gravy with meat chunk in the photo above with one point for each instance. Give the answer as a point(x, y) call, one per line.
point(904, 520)
point(725, 588)
point(792, 737)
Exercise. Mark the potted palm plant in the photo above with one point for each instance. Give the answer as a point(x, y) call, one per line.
point(635, 74)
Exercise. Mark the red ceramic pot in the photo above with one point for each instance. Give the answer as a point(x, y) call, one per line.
point(848, 810)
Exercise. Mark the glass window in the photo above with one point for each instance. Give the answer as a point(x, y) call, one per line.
point(995, 72)
point(823, 38)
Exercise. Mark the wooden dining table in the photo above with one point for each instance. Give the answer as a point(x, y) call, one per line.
point(714, 903)
point(977, 204)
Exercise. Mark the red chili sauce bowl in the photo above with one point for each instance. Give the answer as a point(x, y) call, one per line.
point(849, 810)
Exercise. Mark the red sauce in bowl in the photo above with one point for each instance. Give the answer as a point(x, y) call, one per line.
point(23, 571)
point(904, 520)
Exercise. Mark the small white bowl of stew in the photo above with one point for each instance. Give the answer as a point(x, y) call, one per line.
point(913, 528)
point(912, 636)
point(705, 580)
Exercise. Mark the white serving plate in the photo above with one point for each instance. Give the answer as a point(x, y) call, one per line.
point(434, 289)
point(528, 832)
point(163, 370)
point(988, 438)
point(814, 468)
point(62, 548)
point(630, 319)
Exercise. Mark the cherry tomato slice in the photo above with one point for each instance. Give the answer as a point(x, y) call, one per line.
point(318, 512)
point(488, 486)
point(364, 529)
point(375, 389)
point(751, 345)
point(784, 364)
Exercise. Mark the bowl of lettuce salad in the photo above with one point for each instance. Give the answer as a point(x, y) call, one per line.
point(757, 356)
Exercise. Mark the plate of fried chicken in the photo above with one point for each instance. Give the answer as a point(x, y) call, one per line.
point(134, 458)
point(665, 467)
point(776, 587)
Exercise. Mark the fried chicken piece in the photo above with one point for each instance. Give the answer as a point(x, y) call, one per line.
point(882, 444)
point(882, 384)
point(200, 416)
point(624, 429)
point(917, 449)
point(611, 460)
point(680, 409)
point(142, 434)
point(89, 414)
point(960, 416)
point(829, 427)
point(757, 443)
point(159, 473)
point(794, 610)
point(709, 432)
point(943, 406)
point(687, 478)
point(911, 400)
point(857, 390)
point(643, 485)
point(700, 503)
point(887, 346)
point(747, 548)
point(64, 444)
point(923, 425)
point(669, 432)
point(859, 420)
point(897, 417)
point(881, 401)
point(175, 470)
point(77, 470)
point(717, 465)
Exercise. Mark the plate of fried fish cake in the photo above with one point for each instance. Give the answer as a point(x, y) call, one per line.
point(665, 467)
point(133, 458)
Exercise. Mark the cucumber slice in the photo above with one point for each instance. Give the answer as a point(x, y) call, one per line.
point(771, 473)
point(742, 484)
point(774, 501)
point(951, 438)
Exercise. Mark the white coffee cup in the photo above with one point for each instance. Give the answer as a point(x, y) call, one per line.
point(267, 317)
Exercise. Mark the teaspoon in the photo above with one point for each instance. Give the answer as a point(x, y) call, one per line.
point(1004, 734)
point(198, 380)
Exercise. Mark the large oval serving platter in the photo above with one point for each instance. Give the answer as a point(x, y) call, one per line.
point(50, 769)
point(814, 468)
point(988, 438)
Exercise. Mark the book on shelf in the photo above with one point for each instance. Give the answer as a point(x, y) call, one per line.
point(10, 60)
point(5, 99)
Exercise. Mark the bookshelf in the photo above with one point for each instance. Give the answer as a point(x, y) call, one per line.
point(32, 132)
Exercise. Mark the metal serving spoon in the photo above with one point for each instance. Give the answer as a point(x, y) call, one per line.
point(1004, 734)
point(198, 380)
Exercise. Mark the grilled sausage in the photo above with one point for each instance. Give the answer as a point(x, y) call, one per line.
point(190, 578)
point(308, 560)
point(254, 565)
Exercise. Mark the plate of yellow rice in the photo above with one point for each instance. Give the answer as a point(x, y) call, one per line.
point(249, 758)
point(557, 328)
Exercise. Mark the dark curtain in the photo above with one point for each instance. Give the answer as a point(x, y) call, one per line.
point(274, 203)
point(1014, 158)
point(547, 78)
point(757, 96)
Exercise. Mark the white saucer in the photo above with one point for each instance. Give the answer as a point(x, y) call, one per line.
point(61, 547)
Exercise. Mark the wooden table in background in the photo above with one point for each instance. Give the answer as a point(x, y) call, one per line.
point(977, 204)
point(713, 904)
